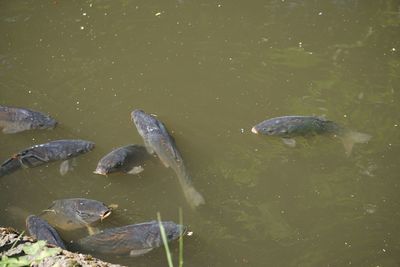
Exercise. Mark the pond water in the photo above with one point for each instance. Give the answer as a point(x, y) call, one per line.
point(211, 70)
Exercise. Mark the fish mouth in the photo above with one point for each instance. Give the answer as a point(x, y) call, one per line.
point(54, 124)
point(183, 230)
point(100, 171)
point(105, 215)
point(254, 130)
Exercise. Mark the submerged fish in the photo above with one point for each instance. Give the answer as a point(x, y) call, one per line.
point(41, 230)
point(14, 120)
point(291, 126)
point(132, 240)
point(128, 159)
point(74, 213)
point(44, 153)
point(157, 140)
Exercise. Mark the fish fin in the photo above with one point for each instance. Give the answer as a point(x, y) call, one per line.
point(351, 137)
point(138, 252)
point(135, 170)
point(9, 166)
point(289, 142)
point(322, 117)
point(92, 230)
point(164, 162)
point(149, 150)
point(10, 129)
point(65, 166)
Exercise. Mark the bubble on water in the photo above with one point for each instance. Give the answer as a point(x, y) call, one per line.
point(370, 208)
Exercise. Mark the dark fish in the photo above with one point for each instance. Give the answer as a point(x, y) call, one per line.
point(14, 120)
point(291, 126)
point(133, 240)
point(128, 159)
point(157, 140)
point(74, 213)
point(44, 153)
point(41, 230)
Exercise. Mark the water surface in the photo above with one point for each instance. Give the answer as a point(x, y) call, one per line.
point(211, 70)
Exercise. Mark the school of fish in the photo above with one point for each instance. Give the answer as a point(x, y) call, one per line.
point(72, 214)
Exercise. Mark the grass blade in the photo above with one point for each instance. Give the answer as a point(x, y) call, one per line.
point(165, 241)
point(180, 239)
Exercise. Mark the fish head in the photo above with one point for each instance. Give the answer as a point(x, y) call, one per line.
point(90, 211)
point(145, 123)
point(172, 231)
point(112, 162)
point(104, 168)
point(271, 127)
point(40, 121)
point(89, 145)
point(82, 146)
point(138, 115)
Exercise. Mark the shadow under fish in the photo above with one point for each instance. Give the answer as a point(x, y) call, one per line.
point(288, 127)
point(158, 141)
point(44, 153)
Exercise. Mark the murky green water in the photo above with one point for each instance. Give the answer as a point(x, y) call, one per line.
point(211, 70)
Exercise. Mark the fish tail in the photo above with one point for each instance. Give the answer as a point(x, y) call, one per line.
point(349, 138)
point(193, 197)
point(9, 166)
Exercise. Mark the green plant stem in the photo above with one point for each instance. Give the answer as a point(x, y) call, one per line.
point(165, 241)
point(180, 239)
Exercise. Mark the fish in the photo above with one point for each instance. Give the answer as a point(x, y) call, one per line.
point(75, 213)
point(44, 153)
point(14, 120)
point(128, 159)
point(42, 230)
point(132, 240)
point(288, 127)
point(158, 141)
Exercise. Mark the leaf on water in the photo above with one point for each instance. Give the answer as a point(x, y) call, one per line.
point(35, 253)
point(32, 249)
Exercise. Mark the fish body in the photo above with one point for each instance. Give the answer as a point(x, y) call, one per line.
point(44, 153)
point(74, 213)
point(292, 126)
point(133, 240)
point(14, 120)
point(41, 230)
point(128, 159)
point(157, 140)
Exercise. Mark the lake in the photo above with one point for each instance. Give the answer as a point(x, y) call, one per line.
point(210, 70)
